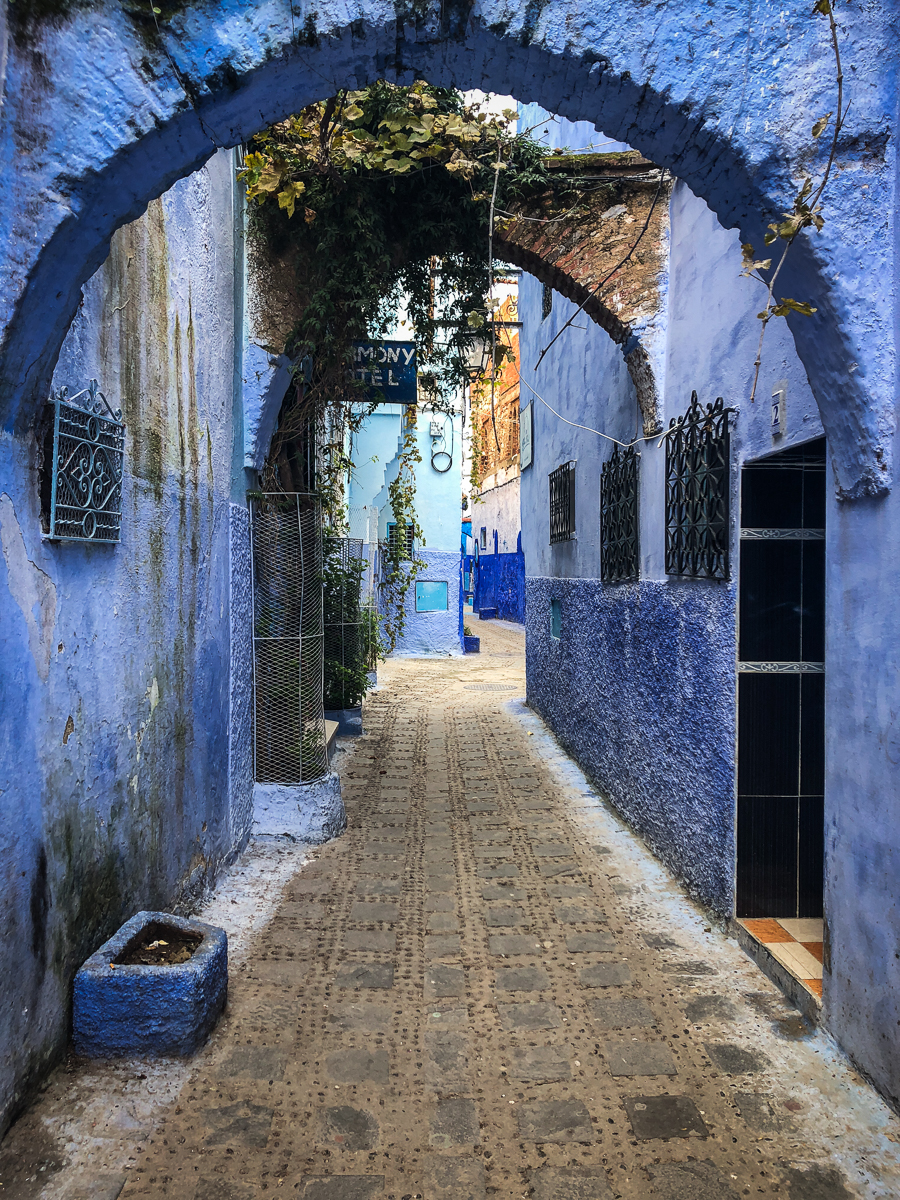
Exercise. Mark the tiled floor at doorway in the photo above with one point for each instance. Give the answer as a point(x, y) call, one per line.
point(795, 942)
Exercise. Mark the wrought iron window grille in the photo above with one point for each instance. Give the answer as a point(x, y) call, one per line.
point(406, 544)
point(698, 474)
point(619, 516)
point(86, 467)
point(562, 503)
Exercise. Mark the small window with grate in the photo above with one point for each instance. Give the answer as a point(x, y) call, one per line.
point(546, 302)
point(483, 537)
point(400, 546)
point(562, 503)
point(698, 474)
point(619, 516)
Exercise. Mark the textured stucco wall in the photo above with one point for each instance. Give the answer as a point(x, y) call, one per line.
point(640, 688)
point(434, 632)
point(498, 511)
point(114, 692)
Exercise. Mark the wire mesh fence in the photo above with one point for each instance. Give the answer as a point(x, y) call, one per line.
point(350, 619)
point(288, 639)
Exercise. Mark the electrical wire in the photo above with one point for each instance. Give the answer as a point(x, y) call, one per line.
point(647, 438)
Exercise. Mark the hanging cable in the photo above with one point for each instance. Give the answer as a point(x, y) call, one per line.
point(648, 438)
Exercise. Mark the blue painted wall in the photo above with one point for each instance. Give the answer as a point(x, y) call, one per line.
point(376, 464)
point(641, 685)
point(115, 700)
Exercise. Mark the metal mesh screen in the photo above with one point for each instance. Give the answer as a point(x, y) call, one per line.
point(346, 625)
point(286, 548)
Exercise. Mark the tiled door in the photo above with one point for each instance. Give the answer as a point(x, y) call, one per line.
point(781, 685)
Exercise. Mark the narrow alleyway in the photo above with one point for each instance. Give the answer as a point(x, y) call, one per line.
point(489, 987)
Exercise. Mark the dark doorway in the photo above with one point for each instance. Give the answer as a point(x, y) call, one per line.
point(781, 685)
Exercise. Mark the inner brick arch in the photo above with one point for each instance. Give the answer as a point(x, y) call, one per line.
point(105, 115)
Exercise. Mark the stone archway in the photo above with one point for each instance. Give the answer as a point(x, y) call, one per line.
point(105, 112)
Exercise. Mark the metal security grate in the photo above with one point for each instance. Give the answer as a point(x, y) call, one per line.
point(619, 516)
point(286, 548)
point(562, 503)
point(86, 478)
point(348, 623)
point(697, 492)
point(404, 538)
point(490, 687)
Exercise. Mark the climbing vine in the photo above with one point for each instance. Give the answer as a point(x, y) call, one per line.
point(382, 198)
point(805, 212)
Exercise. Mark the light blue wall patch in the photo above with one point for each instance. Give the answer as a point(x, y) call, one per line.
point(431, 595)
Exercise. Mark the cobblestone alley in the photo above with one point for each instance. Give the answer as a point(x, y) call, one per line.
point(486, 987)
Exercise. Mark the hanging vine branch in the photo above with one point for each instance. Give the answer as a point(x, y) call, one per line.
point(805, 213)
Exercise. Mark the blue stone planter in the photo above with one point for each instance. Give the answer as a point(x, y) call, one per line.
point(124, 1011)
point(471, 645)
point(487, 614)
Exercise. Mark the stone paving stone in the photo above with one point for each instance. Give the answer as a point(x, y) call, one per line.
point(562, 891)
point(358, 1066)
point(539, 1064)
point(553, 1183)
point(759, 1112)
point(590, 943)
point(378, 940)
point(254, 1062)
point(446, 1061)
point(620, 1012)
point(454, 1123)
point(521, 979)
point(442, 922)
point(371, 1018)
point(438, 903)
point(498, 918)
point(534, 1015)
point(454, 1178)
point(445, 981)
point(578, 914)
point(664, 1117)
point(735, 1060)
point(365, 975)
point(380, 848)
point(660, 941)
point(502, 871)
point(438, 945)
point(480, 806)
point(710, 1008)
point(440, 1017)
point(513, 943)
point(639, 1058)
point(385, 868)
point(342, 1187)
point(206, 1189)
point(689, 1181)
point(350, 1129)
point(440, 883)
point(555, 1121)
point(553, 868)
point(603, 975)
point(362, 912)
point(501, 892)
point(492, 851)
point(239, 1124)
point(551, 850)
point(694, 967)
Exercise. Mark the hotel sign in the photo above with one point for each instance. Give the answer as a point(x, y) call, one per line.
point(388, 370)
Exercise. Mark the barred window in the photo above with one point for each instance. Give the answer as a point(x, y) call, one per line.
point(396, 539)
point(83, 464)
point(562, 503)
point(698, 471)
point(619, 516)
point(484, 537)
